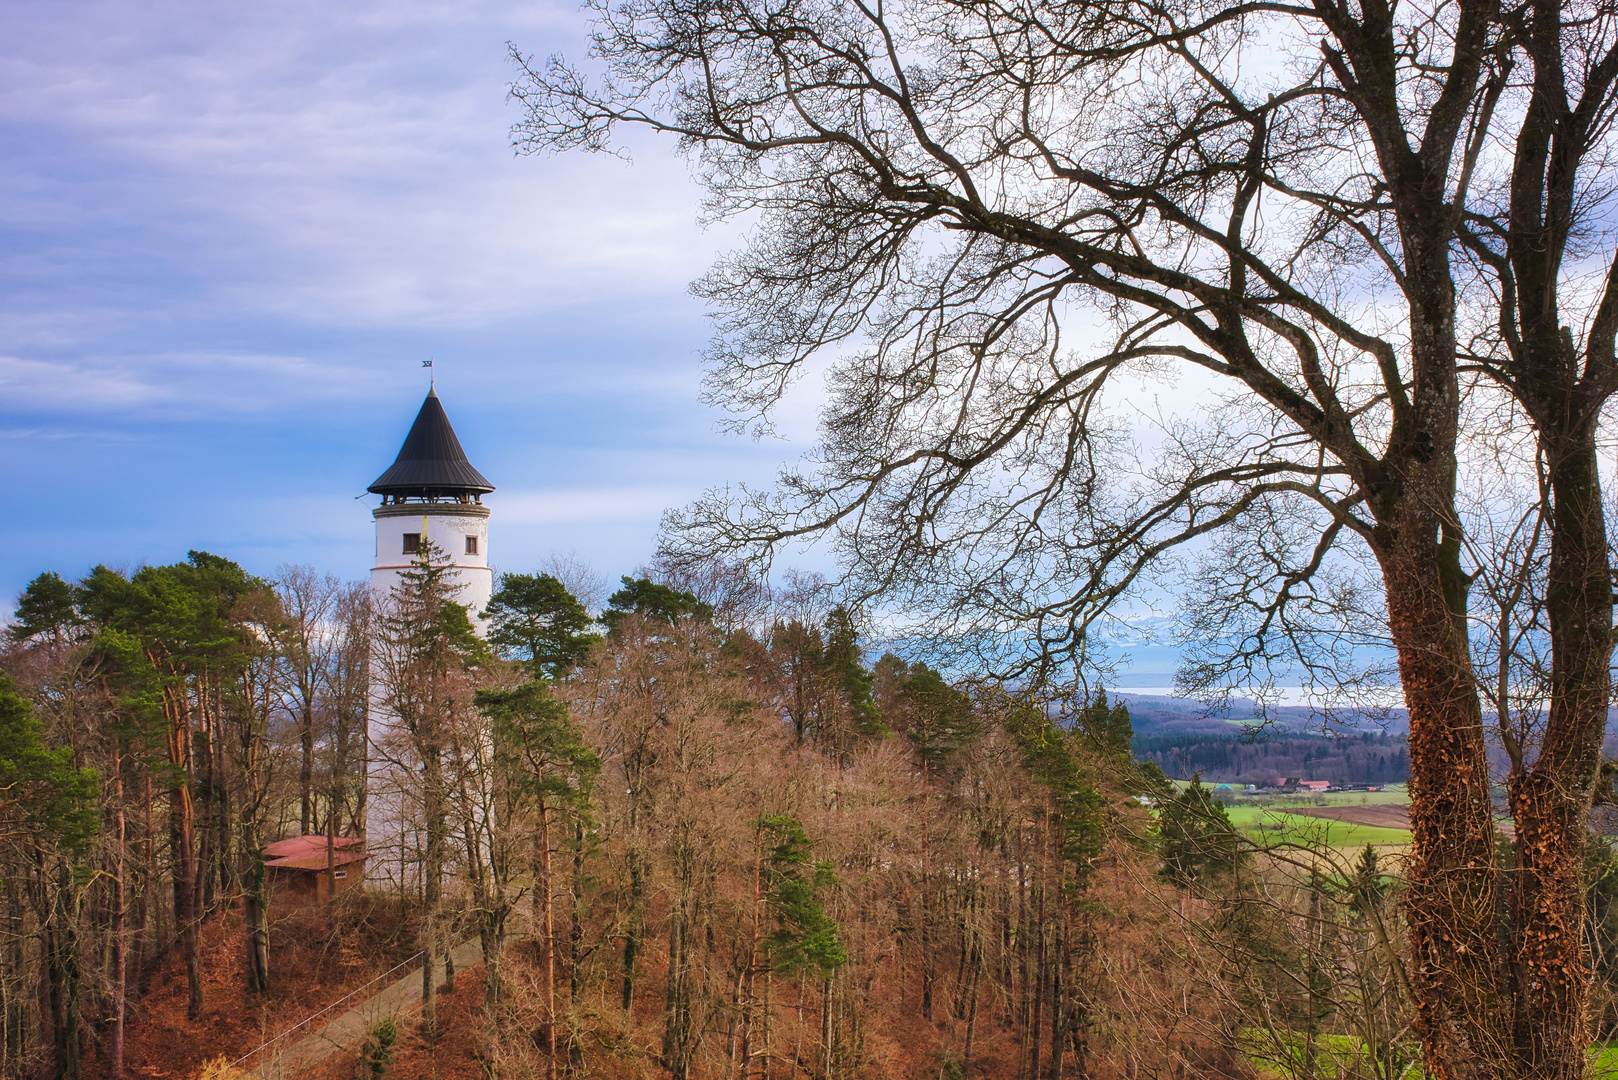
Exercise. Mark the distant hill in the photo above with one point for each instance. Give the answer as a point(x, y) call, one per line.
point(1229, 747)
point(1182, 738)
point(1155, 715)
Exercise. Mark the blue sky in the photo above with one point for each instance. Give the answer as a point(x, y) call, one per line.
point(229, 236)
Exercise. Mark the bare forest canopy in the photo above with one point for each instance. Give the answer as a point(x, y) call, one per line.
point(689, 837)
point(1304, 314)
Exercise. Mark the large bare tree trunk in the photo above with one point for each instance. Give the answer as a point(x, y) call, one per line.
point(306, 769)
point(1451, 902)
point(633, 929)
point(745, 995)
point(61, 983)
point(432, 890)
point(258, 920)
point(1549, 798)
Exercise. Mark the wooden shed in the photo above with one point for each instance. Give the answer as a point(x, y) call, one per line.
point(307, 870)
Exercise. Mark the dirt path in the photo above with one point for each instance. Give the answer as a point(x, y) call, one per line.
point(351, 1027)
point(294, 1053)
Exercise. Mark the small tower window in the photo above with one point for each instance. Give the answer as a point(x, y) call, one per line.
point(471, 545)
point(412, 543)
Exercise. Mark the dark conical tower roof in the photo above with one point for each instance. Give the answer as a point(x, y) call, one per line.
point(431, 463)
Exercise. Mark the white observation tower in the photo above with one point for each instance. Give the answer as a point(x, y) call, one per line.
point(429, 492)
point(432, 491)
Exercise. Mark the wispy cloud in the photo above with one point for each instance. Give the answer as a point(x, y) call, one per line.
point(230, 234)
point(568, 506)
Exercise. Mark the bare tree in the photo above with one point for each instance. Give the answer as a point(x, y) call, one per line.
point(345, 697)
point(1297, 209)
point(580, 578)
point(308, 597)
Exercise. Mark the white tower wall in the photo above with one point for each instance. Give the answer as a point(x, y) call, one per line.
point(431, 492)
point(448, 526)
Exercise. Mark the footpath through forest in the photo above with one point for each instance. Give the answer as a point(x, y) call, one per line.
point(303, 1047)
point(346, 1031)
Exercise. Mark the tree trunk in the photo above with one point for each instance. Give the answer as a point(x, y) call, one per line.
point(548, 934)
point(1549, 798)
point(972, 1010)
point(745, 994)
point(62, 951)
point(575, 941)
point(120, 944)
point(306, 770)
point(632, 932)
point(145, 918)
point(1037, 1021)
point(677, 1033)
point(929, 962)
point(13, 979)
point(1451, 899)
point(182, 836)
point(1024, 1008)
point(432, 889)
point(828, 1029)
point(258, 918)
point(182, 821)
point(1058, 1005)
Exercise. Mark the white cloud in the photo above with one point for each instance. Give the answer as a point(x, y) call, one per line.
point(573, 506)
point(232, 231)
point(77, 386)
point(218, 380)
point(344, 164)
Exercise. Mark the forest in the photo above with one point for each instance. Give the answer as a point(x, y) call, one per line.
point(693, 834)
point(1352, 758)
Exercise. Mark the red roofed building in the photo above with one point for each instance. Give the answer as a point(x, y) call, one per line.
point(304, 871)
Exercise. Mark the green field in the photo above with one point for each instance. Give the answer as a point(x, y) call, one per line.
point(1265, 825)
point(1337, 1055)
point(1392, 793)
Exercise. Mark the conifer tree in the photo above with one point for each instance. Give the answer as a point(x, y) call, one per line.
point(177, 642)
point(848, 672)
point(805, 937)
point(663, 603)
point(1106, 727)
point(1195, 837)
point(536, 619)
point(43, 795)
point(48, 608)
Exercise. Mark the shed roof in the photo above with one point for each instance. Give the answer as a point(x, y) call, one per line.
point(317, 860)
point(431, 461)
point(303, 845)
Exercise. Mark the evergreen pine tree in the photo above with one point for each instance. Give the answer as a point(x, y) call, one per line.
point(537, 620)
point(1195, 837)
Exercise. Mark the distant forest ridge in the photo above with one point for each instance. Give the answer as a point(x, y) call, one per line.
point(1181, 737)
point(1152, 714)
point(1185, 737)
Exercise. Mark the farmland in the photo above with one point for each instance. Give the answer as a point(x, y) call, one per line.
point(1337, 819)
point(1309, 825)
